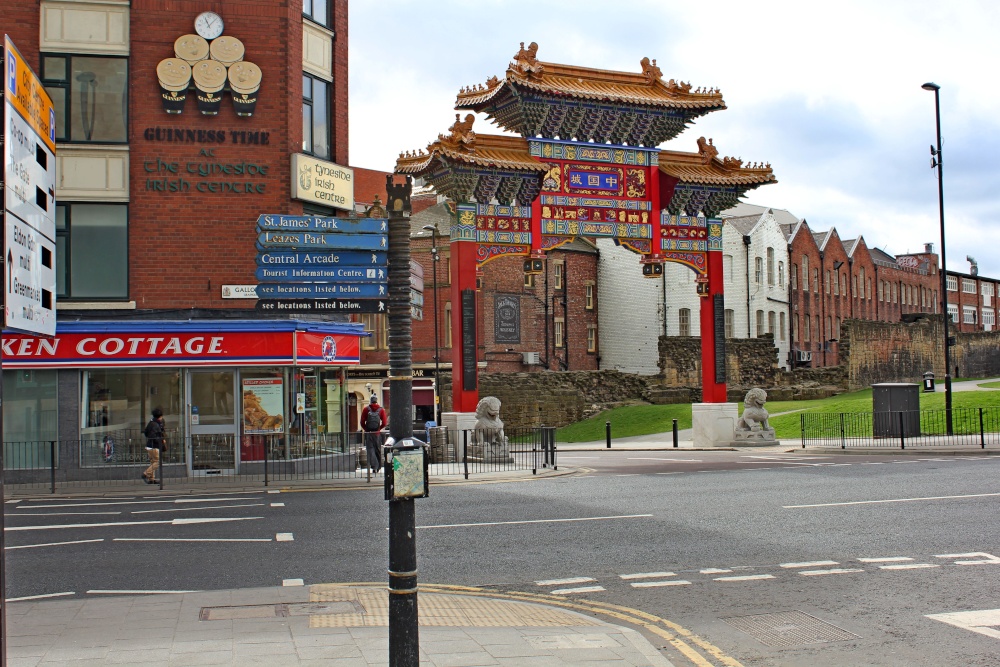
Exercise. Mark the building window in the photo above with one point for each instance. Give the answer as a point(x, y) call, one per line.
point(770, 266)
point(315, 116)
point(869, 288)
point(758, 264)
point(771, 323)
point(826, 283)
point(729, 322)
point(529, 280)
point(591, 338)
point(781, 274)
point(727, 267)
point(557, 275)
point(854, 287)
point(969, 314)
point(892, 290)
point(968, 286)
point(92, 251)
point(952, 282)
point(805, 273)
point(843, 284)
point(559, 332)
point(987, 290)
point(816, 281)
point(317, 11)
point(953, 312)
point(90, 96)
point(760, 324)
point(447, 325)
point(806, 333)
point(588, 296)
point(781, 326)
point(684, 322)
point(794, 278)
point(989, 317)
point(836, 329)
point(794, 322)
point(370, 322)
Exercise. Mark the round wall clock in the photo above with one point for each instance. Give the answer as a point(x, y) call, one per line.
point(208, 25)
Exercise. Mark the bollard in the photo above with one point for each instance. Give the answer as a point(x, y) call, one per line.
point(675, 433)
point(607, 433)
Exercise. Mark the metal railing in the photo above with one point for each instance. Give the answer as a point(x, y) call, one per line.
point(972, 427)
point(104, 461)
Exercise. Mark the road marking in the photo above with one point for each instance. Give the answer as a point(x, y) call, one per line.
point(749, 577)
point(818, 573)
point(13, 502)
point(582, 589)
point(563, 456)
point(815, 563)
point(678, 472)
point(39, 597)
point(715, 570)
point(293, 582)
point(274, 491)
point(893, 500)
point(649, 458)
point(64, 514)
point(284, 537)
point(634, 474)
point(192, 539)
point(780, 458)
point(912, 566)
point(54, 544)
point(277, 504)
point(985, 622)
point(888, 559)
point(875, 463)
point(136, 592)
point(657, 584)
point(564, 582)
point(647, 575)
point(514, 523)
point(196, 509)
point(981, 558)
point(138, 502)
point(174, 522)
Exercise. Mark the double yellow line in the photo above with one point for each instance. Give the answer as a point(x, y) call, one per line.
point(698, 651)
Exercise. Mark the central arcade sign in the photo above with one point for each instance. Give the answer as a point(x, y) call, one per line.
point(308, 264)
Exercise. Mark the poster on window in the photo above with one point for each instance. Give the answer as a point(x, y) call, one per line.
point(263, 401)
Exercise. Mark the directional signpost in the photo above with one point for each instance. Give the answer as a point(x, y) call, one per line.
point(308, 264)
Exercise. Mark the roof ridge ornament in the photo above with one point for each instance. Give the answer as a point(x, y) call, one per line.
point(650, 70)
point(707, 150)
point(678, 86)
point(732, 162)
point(462, 136)
point(526, 60)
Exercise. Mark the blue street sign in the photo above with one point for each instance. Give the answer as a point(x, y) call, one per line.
point(322, 241)
point(352, 258)
point(315, 274)
point(323, 305)
point(308, 223)
point(322, 290)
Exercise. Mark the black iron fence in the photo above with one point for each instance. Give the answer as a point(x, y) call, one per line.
point(121, 461)
point(976, 427)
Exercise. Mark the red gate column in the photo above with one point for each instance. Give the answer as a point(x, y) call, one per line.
point(713, 333)
point(464, 335)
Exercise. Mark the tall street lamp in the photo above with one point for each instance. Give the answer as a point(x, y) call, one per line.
point(936, 162)
point(437, 356)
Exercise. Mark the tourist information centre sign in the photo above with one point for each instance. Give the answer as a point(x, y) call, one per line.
point(29, 157)
point(308, 264)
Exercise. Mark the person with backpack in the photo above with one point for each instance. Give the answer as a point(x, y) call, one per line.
point(373, 420)
point(156, 441)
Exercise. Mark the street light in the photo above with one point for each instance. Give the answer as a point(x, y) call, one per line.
point(936, 162)
point(437, 361)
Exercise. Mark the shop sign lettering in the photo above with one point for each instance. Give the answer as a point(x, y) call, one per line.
point(205, 174)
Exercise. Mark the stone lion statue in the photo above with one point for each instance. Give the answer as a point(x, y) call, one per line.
point(754, 415)
point(489, 441)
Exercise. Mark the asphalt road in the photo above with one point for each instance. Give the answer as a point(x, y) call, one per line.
point(842, 560)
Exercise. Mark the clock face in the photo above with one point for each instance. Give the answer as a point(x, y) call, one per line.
point(208, 25)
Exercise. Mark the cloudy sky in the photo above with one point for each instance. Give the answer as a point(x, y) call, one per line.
point(828, 93)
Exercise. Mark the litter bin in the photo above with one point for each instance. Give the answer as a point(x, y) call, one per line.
point(889, 399)
point(929, 381)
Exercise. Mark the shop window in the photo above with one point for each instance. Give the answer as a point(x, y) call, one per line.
point(684, 322)
point(315, 116)
point(90, 96)
point(30, 418)
point(588, 296)
point(729, 322)
point(591, 338)
point(559, 332)
point(92, 251)
point(447, 325)
point(317, 11)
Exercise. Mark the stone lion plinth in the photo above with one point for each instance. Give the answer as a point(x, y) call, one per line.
point(752, 428)
point(488, 440)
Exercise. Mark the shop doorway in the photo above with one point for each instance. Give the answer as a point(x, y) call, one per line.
point(212, 427)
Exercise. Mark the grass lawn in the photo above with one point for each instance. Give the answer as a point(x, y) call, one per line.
point(646, 419)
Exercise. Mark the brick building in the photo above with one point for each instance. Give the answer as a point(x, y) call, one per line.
point(176, 128)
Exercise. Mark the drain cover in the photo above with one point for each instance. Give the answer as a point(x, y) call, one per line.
point(245, 611)
point(791, 628)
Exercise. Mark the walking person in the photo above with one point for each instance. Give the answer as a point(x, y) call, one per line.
point(156, 440)
point(373, 420)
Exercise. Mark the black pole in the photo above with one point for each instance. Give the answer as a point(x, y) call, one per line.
point(437, 352)
point(404, 645)
point(674, 428)
point(607, 433)
point(944, 266)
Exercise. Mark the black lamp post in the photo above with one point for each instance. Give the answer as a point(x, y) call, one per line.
point(437, 355)
point(936, 162)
